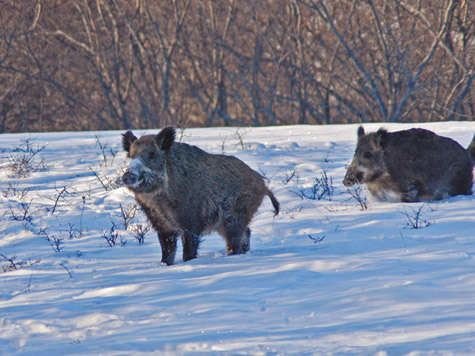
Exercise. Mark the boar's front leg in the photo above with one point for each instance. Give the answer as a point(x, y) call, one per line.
point(168, 244)
point(190, 243)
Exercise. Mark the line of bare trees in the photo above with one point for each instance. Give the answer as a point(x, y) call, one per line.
point(116, 64)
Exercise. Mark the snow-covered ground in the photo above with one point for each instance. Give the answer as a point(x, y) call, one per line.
point(325, 277)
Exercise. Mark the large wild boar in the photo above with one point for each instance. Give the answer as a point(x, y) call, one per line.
point(410, 165)
point(187, 192)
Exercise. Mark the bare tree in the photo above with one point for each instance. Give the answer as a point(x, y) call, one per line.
point(394, 76)
point(104, 64)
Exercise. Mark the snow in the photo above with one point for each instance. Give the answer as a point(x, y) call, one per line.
point(324, 277)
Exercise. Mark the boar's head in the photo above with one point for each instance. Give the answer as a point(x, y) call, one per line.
point(368, 161)
point(146, 172)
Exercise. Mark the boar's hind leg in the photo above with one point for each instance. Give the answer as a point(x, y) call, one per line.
point(168, 244)
point(246, 242)
point(190, 243)
point(237, 236)
point(461, 183)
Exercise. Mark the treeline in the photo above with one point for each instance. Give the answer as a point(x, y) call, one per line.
point(116, 64)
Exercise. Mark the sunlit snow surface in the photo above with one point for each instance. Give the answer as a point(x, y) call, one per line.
point(322, 278)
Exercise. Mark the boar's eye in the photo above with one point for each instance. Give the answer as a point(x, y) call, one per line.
point(151, 155)
point(367, 155)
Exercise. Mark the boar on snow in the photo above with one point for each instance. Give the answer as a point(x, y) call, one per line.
point(410, 165)
point(187, 192)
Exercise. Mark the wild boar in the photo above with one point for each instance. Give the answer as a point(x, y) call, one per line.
point(410, 165)
point(187, 192)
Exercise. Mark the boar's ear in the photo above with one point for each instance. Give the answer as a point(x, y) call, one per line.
point(127, 140)
point(360, 132)
point(165, 138)
point(381, 137)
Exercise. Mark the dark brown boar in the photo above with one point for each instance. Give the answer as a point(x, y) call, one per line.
point(410, 165)
point(188, 192)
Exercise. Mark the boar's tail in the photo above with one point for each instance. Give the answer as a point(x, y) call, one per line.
point(471, 149)
point(274, 201)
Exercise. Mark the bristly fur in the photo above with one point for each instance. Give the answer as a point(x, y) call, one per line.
point(187, 192)
point(415, 165)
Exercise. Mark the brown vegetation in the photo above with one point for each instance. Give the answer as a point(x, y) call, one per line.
point(116, 64)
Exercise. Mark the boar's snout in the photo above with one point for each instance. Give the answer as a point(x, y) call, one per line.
point(129, 179)
point(352, 178)
point(349, 181)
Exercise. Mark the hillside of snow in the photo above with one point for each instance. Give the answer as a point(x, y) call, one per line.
point(332, 274)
